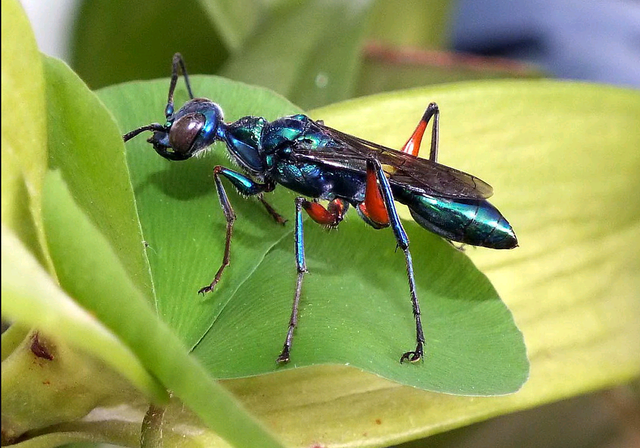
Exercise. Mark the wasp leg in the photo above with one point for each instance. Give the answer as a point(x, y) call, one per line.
point(245, 186)
point(403, 243)
point(270, 186)
point(177, 65)
point(413, 144)
point(373, 210)
point(277, 217)
point(459, 248)
point(302, 269)
point(330, 217)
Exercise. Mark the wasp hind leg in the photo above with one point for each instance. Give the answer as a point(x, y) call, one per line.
point(413, 144)
point(378, 209)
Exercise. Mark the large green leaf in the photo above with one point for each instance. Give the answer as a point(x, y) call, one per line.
point(563, 158)
point(96, 173)
point(355, 306)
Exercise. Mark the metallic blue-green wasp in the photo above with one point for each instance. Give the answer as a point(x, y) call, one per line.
point(321, 163)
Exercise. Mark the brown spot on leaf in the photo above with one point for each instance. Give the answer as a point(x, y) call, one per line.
point(40, 347)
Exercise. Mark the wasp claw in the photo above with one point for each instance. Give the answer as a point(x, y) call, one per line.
point(414, 356)
point(284, 356)
point(206, 289)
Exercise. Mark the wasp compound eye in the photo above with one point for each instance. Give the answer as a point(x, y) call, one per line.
point(185, 131)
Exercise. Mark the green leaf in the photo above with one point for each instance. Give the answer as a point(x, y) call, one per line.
point(72, 382)
point(23, 98)
point(135, 40)
point(298, 58)
point(355, 306)
point(85, 146)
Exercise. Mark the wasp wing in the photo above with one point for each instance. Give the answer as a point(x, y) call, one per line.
point(414, 173)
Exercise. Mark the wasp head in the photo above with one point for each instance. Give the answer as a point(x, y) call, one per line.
point(197, 125)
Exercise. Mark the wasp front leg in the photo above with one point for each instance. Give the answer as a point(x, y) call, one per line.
point(245, 186)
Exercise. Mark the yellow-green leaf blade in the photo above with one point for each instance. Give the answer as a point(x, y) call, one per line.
point(23, 126)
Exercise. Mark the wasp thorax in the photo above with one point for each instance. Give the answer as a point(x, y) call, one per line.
point(185, 130)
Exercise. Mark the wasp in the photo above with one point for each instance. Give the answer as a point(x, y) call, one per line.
point(323, 164)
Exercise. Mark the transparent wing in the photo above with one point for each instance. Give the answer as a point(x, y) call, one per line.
point(421, 175)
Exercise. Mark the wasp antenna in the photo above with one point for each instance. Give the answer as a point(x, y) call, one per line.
point(150, 127)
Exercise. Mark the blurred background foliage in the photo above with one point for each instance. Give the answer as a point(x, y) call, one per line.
point(313, 52)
